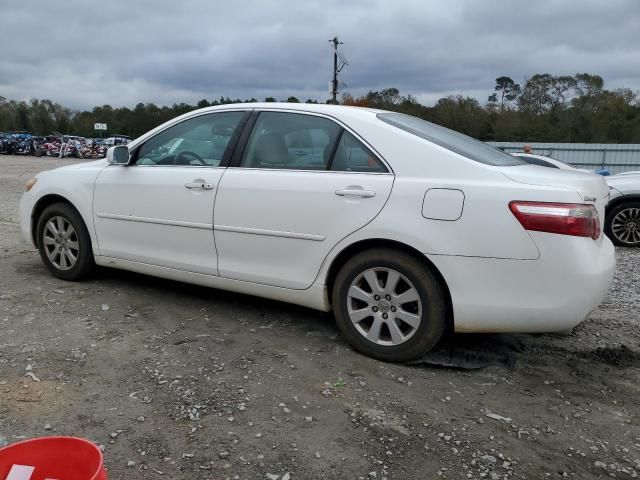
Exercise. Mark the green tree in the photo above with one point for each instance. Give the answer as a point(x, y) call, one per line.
point(560, 90)
point(535, 96)
point(506, 91)
point(548, 107)
point(463, 114)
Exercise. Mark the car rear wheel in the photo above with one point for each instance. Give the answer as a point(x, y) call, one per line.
point(64, 242)
point(622, 224)
point(389, 306)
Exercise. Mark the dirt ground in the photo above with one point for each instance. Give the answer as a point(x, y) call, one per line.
point(184, 382)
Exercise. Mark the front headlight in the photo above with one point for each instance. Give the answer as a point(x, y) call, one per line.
point(29, 185)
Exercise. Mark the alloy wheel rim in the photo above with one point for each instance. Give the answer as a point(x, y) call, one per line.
point(384, 306)
point(60, 242)
point(626, 226)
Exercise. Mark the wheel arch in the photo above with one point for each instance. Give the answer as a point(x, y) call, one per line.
point(634, 197)
point(362, 245)
point(40, 206)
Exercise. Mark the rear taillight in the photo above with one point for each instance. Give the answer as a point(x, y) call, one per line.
point(577, 219)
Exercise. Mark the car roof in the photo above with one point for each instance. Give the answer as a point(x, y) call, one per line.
point(343, 113)
point(328, 109)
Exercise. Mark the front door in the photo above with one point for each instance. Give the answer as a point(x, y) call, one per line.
point(159, 210)
point(302, 185)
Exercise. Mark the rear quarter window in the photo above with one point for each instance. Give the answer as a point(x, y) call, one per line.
point(451, 140)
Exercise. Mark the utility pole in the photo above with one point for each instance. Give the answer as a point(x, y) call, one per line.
point(337, 67)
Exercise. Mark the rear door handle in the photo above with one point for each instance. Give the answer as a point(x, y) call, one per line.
point(198, 185)
point(355, 192)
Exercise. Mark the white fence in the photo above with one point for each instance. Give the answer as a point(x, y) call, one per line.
point(615, 157)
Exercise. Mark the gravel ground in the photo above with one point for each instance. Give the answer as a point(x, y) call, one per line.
point(183, 382)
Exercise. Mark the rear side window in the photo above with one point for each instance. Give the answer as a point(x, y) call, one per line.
point(352, 156)
point(451, 140)
point(295, 141)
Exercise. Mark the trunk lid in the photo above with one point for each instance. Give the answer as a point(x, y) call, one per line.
point(591, 187)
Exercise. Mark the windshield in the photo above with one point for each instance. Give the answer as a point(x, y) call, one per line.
point(451, 140)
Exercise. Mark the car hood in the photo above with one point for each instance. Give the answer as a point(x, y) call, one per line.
point(95, 164)
point(586, 184)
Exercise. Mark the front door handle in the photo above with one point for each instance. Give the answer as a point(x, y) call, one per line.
point(356, 192)
point(198, 185)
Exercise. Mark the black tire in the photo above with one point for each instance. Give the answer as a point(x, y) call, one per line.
point(85, 263)
point(433, 324)
point(616, 236)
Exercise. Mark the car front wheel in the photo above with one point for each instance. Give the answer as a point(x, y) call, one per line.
point(622, 224)
point(64, 242)
point(389, 305)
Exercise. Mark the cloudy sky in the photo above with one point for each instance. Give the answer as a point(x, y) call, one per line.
point(85, 53)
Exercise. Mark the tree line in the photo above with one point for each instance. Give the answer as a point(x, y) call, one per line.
point(544, 108)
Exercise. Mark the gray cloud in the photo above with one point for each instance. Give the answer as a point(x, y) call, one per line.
point(88, 53)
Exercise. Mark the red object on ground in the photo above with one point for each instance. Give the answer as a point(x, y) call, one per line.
point(55, 458)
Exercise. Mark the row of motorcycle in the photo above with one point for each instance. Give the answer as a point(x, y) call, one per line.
point(52, 146)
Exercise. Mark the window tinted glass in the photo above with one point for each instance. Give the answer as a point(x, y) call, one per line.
point(290, 140)
point(198, 141)
point(537, 161)
point(451, 140)
point(352, 156)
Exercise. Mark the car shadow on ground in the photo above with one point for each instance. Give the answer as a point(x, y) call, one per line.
point(189, 292)
point(460, 351)
point(456, 351)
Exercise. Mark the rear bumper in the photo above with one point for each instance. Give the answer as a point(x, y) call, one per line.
point(553, 293)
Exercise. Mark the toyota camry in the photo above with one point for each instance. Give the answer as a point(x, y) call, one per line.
point(405, 230)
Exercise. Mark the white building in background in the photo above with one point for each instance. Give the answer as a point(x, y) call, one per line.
point(615, 157)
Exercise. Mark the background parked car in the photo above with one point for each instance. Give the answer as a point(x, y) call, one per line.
point(543, 161)
point(23, 144)
point(116, 140)
point(55, 145)
point(7, 143)
point(36, 146)
point(622, 221)
point(622, 217)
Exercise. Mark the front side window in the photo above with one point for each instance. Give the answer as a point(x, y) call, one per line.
point(295, 141)
point(198, 141)
point(451, 140)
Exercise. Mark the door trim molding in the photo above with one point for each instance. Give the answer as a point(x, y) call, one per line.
point(159, 221)
point(270, 233)
point(207, 226)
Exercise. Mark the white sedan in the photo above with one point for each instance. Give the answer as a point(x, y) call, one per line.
point(404, 229)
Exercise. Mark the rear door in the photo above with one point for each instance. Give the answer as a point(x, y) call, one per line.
point(300, 185)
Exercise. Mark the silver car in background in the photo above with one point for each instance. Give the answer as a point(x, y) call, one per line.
point(622, 221)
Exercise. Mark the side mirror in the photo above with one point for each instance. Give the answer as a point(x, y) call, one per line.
point(118, 155)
